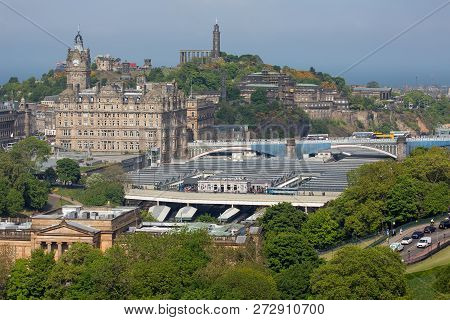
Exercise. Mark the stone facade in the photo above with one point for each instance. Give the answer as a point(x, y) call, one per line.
point(78, 68)
point(115, 119)
point(15, 122)
point(200, 117)
point(377, 93)
point(280, 87)
point(105, 63)
point(57, 230)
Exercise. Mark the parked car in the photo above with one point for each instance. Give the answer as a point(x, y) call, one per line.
point(429, 229)
point(424, 242)
point(444, 224)
point(417, 234)
point(396, 246)
point(406, 240)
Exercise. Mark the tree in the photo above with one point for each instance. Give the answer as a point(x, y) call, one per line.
point(373, 84)
point(259, 96)
point(36, 194)
point(6, 262)
point(244, 283)
point(321, 229)
point(15, 201)
point(207, 218)
point(94, 179)
point(50, 175)
point(283, 250)
point(355, 273)
point(28, 278)
point(68, 170)
point(4, 190)
point(282, 217)
point(30, 152)
point(163, 267)
point(70, 278)
point(294, 282)
point(403, 199)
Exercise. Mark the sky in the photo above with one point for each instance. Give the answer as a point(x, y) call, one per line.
point(329, 35)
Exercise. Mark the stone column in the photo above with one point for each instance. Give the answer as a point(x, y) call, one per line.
point(49, 247)
point(401, 148)
point(290, 148)
point(59, 252)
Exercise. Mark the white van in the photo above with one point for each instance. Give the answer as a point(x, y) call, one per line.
point(424, 242)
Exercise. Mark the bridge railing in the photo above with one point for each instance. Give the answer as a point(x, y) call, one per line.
point(330, 140)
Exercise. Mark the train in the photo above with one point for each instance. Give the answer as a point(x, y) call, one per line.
point(381, 135)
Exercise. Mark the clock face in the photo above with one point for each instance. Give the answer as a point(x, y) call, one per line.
point(76, 62)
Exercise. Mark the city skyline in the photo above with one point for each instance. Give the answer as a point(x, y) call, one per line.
point(293, 37)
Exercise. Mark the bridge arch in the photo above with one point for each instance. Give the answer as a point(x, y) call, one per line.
point(364, 147)
point(228, 149)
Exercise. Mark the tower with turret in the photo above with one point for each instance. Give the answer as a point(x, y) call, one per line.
point(216, 42)
point(78, 68)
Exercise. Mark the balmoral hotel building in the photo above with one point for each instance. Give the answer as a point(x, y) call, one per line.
point(114, 119)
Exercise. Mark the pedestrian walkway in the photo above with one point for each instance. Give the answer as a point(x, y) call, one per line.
point(59, 197)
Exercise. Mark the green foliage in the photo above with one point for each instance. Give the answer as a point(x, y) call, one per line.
point(32, 90)
point(282, 217)
point(373, 84)
point(68, 170)
point(245, 283)
point(36, 194)
point(417, 99)
point(294, 282)
point(15, 201)
point(162, 267)
point(28, 279)
point(105, 192)
point(259, 96)
point(207, 218)
point(321, 229)
point(30, 152)
point(147, 216)
point(19, 188)
point(355, 273)
point(71, 276)
point(7, 255)
point(101, 189)
point(50, 175)
point(283, 250)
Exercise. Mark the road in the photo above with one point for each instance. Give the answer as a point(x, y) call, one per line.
point(411, 249)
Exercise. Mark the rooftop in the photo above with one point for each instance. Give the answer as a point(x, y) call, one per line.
point(74, 212)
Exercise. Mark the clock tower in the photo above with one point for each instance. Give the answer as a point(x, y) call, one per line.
point(78, 68)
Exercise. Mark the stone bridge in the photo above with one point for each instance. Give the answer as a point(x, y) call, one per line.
point(394, 148)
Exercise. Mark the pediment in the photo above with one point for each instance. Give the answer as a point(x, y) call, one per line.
point(62, 231)
point(69, 229)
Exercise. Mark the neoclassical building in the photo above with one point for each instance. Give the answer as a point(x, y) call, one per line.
point(113, 118)
point(57, 230)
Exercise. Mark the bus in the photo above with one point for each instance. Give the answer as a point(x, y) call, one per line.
point(319, 136)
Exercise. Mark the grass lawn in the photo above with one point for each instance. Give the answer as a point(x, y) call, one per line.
point(420, 285)
point(439, 259)
point(73, 193)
